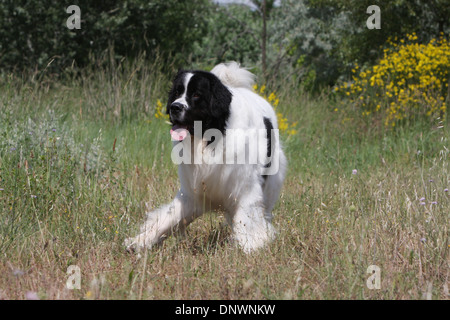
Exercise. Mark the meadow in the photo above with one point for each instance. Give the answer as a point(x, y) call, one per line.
point(82, 159)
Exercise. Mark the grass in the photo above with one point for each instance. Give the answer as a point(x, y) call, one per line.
point(79, 160)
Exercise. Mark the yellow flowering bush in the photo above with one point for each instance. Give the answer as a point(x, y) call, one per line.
point(283, 123)
point(410, 81)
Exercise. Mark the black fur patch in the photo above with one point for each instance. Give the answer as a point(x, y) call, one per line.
point(269, 127)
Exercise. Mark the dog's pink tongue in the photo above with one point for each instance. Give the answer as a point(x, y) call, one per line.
point(178, 133)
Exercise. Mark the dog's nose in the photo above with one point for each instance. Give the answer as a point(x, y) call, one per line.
point(176, 107)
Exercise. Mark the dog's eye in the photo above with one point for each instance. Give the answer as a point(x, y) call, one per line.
point(195, 96)
point(179, 91)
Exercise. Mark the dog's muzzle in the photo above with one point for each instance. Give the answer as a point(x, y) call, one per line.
point(176, 108)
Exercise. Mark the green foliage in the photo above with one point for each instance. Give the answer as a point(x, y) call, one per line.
point(304, 40)
point(426, 18)
point(233, 33)
point(331, 35)
point(34, 33)
point(327, 36)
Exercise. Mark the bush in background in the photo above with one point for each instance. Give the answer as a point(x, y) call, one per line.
point(313, 43)
point(410, 82)
point(317, 42)
point(33, 33)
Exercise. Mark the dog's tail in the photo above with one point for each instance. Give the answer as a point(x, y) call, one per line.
point(232, 75)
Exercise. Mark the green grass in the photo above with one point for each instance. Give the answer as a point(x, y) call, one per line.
point(81, 159)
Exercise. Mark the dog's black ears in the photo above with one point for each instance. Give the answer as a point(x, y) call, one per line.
point(220, 104)
point(221, 99)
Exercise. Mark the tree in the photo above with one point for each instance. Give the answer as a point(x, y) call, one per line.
point(427, 18)
point(232, 33)
point(264, 7)
point(34, 32)
point(320, 40)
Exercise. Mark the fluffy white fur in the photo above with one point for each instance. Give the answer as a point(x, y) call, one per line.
point(237, 189)
point(232, 75)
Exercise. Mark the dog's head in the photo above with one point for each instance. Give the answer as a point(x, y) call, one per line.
point(197, 96)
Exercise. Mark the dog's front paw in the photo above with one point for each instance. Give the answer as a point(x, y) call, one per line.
point(134, 244)
point(145, 240)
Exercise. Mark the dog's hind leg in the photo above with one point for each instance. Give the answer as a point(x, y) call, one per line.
point(252, 228)
point(162, 222)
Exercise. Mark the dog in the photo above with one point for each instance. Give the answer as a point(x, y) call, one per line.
point(229, 157)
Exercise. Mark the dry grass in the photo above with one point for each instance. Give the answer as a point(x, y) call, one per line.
point(329, 233)
point(332, 224)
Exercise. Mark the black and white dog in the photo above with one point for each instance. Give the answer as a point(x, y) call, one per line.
point(229, 155)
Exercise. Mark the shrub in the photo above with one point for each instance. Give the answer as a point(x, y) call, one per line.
point(33, 33)
point(41, 171)
point(409, 82)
